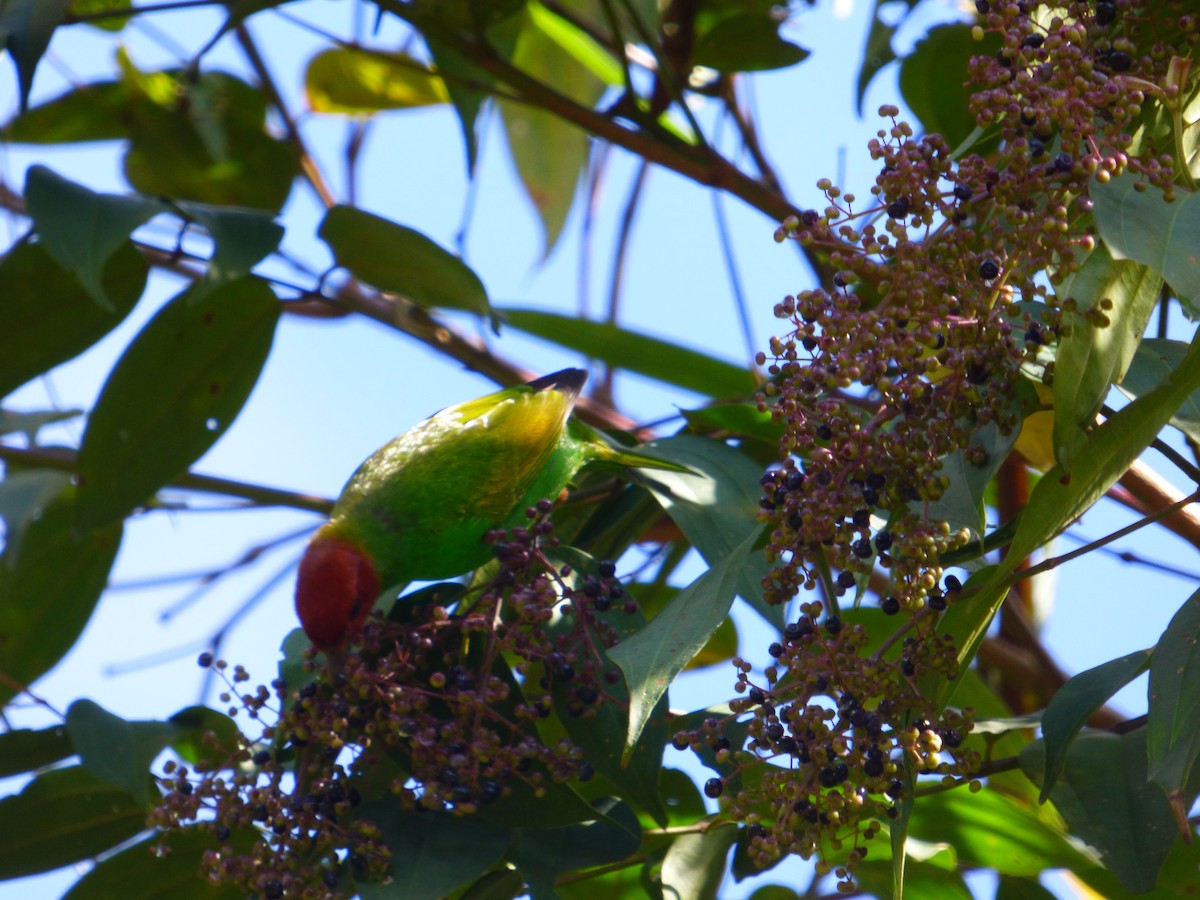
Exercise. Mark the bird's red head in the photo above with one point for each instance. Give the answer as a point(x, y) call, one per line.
point(335, 590)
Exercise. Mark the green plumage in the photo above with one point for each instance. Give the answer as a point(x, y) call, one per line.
point(420, 506)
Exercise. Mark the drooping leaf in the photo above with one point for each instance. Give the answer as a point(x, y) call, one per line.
point(933, 79)
point(653, 657)
point(138, 873)
point(1173, 729)
point(243, 237)
point(174, 392)
point(1141, 226)
point(1155, 359)
point(1074, 704)
point(695, 864)
point(25, 30)
point(24, 750)
point(746, 43)
point(549, 153)
point(118, 751)
point(878, 51)
point(401, 261)
point(540, 854)
point(348, 80)
point(1107, 801)
point(653, 357)
point(81, 229)
point(90, 112)
point(717, 512)
point(1091, 358)
point(962, 503)
point(463, 81)
point(24, 495)
point(50, 591)
point(61, 817)
point(432, 853)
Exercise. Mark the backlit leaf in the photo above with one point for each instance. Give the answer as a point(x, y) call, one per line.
point(346, 80)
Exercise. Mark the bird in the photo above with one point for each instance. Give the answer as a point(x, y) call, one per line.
point(420, 507)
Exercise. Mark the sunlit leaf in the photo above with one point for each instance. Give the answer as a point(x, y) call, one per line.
point(346, 80)
point(90, 112)
point(174, 392)
point(61, 817)
point(401, 261)
point(695, 864)
point(1074, 704)
point(653, 357)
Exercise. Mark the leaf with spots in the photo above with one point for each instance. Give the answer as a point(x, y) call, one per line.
point(172, 394)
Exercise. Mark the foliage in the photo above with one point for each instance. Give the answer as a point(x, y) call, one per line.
point(506, 734)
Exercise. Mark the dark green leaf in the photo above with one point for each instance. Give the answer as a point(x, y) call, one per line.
point(346, 80)
point(922, 881)
point(718, 511)
point(1154, 360)
point(991, 831)
point(550, 153)
point(61, 817)
point(107, 23)
point(962, 503)
point(1090, 358)
point(1106, 800)
point(243, 237)
point(23, 750)
point(746, 43)
point(50, 592)
point(649, 356)
point(742, 419)
point(81, 229)
point(653, 657)
point(193, 730)
point(24, 494)
point(212, 129)
point(695, 864)
point(118, 751)
point(48, 317)
point(542, 853)
point(1176, 878)
point(401, 261)
point(933, 79)
point(462, 76)
point(139, 873)
point(1012, 888)
point(1173, 730)
point(505, 884)
point(1141, 226)
point(25, 30)
point(1074, 704)
point(432, 853)
point(90, 112)
point(173, 393)
point(878, 51)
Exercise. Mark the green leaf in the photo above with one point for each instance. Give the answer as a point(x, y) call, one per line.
point(23, 750)
point(25, 30)
point(1176, 878)
point(962, 503)
point(742, 419)
point(746, 43)
point(108, 23)
point(432, 853)
point(922, 881)
point(173, 393)
point(717, 512)
point(1173, 729)
point(1107, 801)
point(30, 423)
point(1074, 704)
point(989, 830)
point(81, 229)
point(61, 817)
point(243, 237)
point(347, 80)
point(213, 131)
point(90, 112)
point(933, 79)
point(550, 154)
point(401, 261)
point(1012, 888)
point(878, 51)
point(202, 734)
point(1154, 360)
point(653, 357)
point(653, 657)
point(462, 76)
point(542, 853)
point(48, 317)
point(1060, 498)
point(695, 865)
point(1141, 226)
point(24, 494)
point(49, 592)
point(1090, 358)
point(118, 751)
point(139, 873)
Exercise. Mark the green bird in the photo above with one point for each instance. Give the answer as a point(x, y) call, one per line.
point(419, 508)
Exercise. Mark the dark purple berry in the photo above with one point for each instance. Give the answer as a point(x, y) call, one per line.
point(883, 541)
point(607, 568)
point(205, 660)
point(833, 625)
point(1119, 60)
point(962, 192)
point(890, 606)
point(1106, 13)
point(899, 208)
point(713, 788)
point(989, 269)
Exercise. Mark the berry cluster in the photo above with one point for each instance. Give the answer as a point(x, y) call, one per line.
point(944, 291)
point(427, 710)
